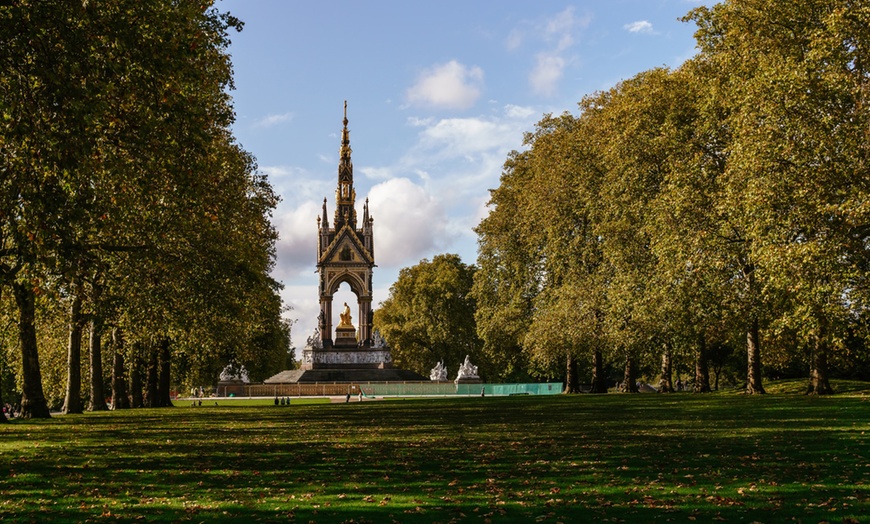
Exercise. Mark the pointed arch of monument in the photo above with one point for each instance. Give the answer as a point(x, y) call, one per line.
point(356, 282)
point(362, 319)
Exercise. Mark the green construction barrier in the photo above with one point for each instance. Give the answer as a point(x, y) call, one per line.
point(448, 389)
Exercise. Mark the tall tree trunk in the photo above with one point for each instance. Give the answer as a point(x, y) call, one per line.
point(2, 411)
point(702, 367)
point(599, 384)
point(151, 378)
point(98, 393)
point(819, 384)
point(120, 400)
point(164, 397)
point(753, 353)
point(73, 401)
point(572, 382)
point(33, 403)
point(136, 399)
point(2, 369)
point(629, 379)
point(666, 384)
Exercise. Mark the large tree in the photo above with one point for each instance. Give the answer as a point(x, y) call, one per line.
point(540, 262)
point(683, 207)
point(429, 316)
point(793, 80)
point(509, 273)
point(123, 189)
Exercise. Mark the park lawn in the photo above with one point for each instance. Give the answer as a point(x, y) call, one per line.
point(247, 402)
point(617, 458)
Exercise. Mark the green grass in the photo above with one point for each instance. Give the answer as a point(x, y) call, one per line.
point(248, 402)
point(622, 458)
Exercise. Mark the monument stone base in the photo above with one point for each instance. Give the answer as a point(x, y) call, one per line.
point(345, 337)
point(352, 357)
point(345, 360)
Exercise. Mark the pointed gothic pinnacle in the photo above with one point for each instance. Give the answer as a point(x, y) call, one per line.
point(345, 138)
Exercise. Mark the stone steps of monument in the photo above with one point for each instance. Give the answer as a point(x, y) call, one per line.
point(344, 375)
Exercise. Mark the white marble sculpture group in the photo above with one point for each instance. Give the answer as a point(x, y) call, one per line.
point(467, 370)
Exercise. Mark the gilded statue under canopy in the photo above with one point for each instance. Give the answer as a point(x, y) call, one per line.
point(345, 317)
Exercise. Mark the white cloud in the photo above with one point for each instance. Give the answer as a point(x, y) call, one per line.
point(457, 161)
point(482, 209)
point(295, 217)
point(296, 184)
point(560, 27)
point(297, 247)
point(465, 137)
point(305, 302)
point(641, 26)
point(558, 35)
point(376, 173)
point(515, 39)
point(409, 222)
point(548, 71)
point(420, 122)
point(449, 86)
point(273, 120)
point(460, 157)
point(515, 111)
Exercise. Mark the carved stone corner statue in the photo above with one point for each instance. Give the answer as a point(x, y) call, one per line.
point(438, 373)
point(378, 341)
point(232, 373)
point(314, 341)
point(467, 371)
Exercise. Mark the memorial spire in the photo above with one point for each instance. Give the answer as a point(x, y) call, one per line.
point(345, 194)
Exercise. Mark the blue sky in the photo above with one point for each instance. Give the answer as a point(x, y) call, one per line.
point(438, 94)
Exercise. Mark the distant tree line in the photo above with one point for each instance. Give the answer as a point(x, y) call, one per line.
point(135, 234)
point(717, 214)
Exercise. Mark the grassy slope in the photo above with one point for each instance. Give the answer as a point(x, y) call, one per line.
point(638, 458)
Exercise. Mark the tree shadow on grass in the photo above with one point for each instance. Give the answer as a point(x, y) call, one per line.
point(640, 458)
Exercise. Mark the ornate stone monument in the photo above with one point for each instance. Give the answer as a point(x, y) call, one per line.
point(345, 254)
